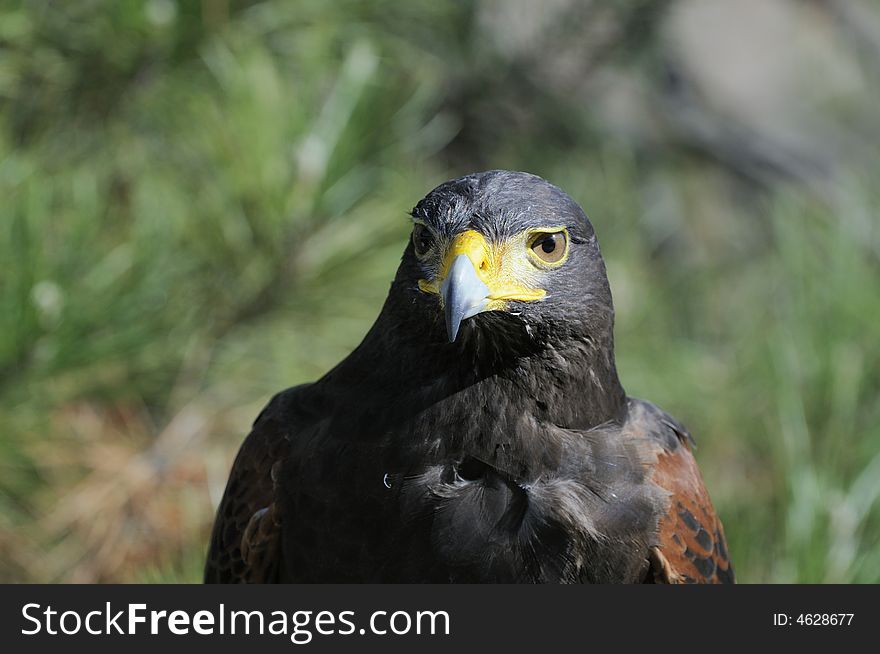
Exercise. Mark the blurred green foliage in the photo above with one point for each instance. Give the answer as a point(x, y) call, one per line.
point(202, 203)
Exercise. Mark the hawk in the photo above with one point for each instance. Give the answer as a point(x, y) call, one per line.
point(479, 433)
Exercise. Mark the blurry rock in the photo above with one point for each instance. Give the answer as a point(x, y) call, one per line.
point(765, 88)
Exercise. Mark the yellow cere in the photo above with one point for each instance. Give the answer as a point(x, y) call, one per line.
point(509, 269)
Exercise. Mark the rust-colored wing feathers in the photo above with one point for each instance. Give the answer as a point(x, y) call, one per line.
point(691, 545)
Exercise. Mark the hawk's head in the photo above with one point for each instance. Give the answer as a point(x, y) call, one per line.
point(503, 247)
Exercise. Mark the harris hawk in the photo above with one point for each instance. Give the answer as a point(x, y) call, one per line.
point(479, 433)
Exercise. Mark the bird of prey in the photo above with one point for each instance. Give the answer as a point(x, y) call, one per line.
point(479, 433)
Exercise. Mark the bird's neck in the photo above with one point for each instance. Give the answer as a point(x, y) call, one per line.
point(572, 383)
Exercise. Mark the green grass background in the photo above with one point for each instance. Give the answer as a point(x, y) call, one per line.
point(202, 203)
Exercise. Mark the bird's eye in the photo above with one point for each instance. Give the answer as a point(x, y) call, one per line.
point(549, 247)
point(422, 240)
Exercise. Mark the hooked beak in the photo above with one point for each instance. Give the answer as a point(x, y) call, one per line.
point(464, 294)
point(477, 276)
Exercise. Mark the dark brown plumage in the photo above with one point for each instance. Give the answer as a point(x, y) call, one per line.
point(510, 454)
